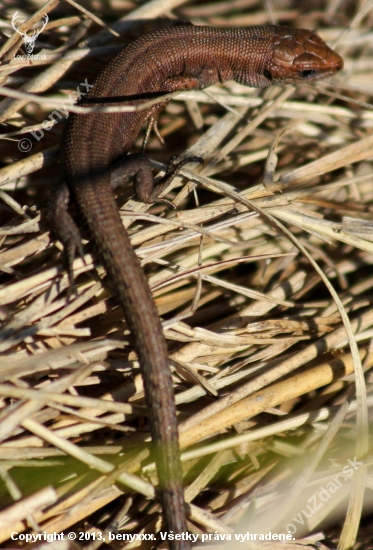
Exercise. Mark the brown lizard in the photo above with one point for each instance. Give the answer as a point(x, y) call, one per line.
point(96, 145)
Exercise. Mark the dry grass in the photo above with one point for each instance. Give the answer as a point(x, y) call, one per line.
point(262, 276)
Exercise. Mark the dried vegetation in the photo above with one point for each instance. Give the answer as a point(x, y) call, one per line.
point(262, 275)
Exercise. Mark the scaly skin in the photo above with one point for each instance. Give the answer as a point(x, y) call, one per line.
point(181, 58)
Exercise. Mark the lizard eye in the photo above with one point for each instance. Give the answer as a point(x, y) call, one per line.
point(267, 74)
point(307, 73)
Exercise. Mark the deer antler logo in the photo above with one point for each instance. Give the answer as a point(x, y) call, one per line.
point(29, 41)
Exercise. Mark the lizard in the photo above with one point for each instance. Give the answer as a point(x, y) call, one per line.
point(96, 158)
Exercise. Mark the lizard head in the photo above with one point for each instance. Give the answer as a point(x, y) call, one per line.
point(299, 55)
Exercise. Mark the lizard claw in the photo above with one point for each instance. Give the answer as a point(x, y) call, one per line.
point(72, 249)
point(166, 202)
point(173, 167)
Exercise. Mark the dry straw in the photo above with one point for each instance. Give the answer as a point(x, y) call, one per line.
point(262, 276)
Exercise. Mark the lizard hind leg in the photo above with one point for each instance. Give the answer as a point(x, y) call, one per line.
point(173, 168)
point(64, 228)
point(147, 188)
